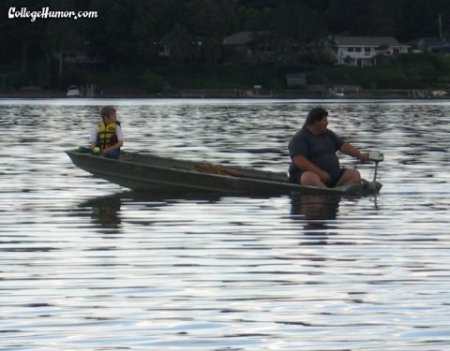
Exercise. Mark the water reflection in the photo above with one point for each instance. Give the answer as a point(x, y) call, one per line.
point(315, 213)
point(315, 209)
point(84, 269)
point(104, 211)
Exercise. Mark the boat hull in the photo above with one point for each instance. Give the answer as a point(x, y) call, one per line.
point(148, 173)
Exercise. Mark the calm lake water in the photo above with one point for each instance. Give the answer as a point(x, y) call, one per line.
point(87, 265)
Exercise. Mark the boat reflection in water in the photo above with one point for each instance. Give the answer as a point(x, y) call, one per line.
point(105, 211)
point(315, 212)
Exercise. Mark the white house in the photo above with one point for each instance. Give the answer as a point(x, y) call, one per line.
point(363, 51)
point(76, 56)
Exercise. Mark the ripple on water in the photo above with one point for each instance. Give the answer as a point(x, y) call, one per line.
point(86, 265)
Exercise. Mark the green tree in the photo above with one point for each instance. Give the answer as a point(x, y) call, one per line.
point(156, 22)
point(210, 21)
point(347, 16)
point(180, 43)
point(253, 19)
point(382, 18)
point(60, 36)
point(20, 40)
point(111, 33)
point(297, 20)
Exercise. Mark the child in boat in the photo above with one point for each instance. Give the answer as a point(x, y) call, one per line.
point(108, 135)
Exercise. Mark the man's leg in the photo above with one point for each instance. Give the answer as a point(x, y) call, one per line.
point(311, 178)
point(350, 176)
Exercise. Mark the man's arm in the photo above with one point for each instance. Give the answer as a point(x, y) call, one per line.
point(353, 151)
point(305, 165)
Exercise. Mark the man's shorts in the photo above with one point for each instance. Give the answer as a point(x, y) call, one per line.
point(295, 178)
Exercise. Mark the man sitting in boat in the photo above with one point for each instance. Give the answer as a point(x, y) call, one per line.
point(313, 154)
point(108, 135)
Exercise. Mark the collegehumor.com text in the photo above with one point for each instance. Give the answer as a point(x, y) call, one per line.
point(47, 13)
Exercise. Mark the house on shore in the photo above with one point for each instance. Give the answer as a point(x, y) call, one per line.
point(76, 56)
point(430, 44)
point(364, 51)
point(249, 47)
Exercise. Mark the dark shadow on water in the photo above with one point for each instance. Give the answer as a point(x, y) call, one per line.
point(104, 211)
point(315, 213)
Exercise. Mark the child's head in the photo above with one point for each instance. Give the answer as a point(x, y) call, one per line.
point(108, 113)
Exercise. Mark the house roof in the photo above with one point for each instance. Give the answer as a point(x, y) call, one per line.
point(240, 38)
point(366, 41)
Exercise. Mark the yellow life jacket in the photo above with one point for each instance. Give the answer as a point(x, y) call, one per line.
point(106, 134)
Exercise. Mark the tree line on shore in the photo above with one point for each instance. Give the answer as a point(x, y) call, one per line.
point(126, 37)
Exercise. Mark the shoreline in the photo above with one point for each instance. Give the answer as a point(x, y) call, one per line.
point(359, 94)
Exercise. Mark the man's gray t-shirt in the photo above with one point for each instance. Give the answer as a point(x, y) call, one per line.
point(318, 149)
